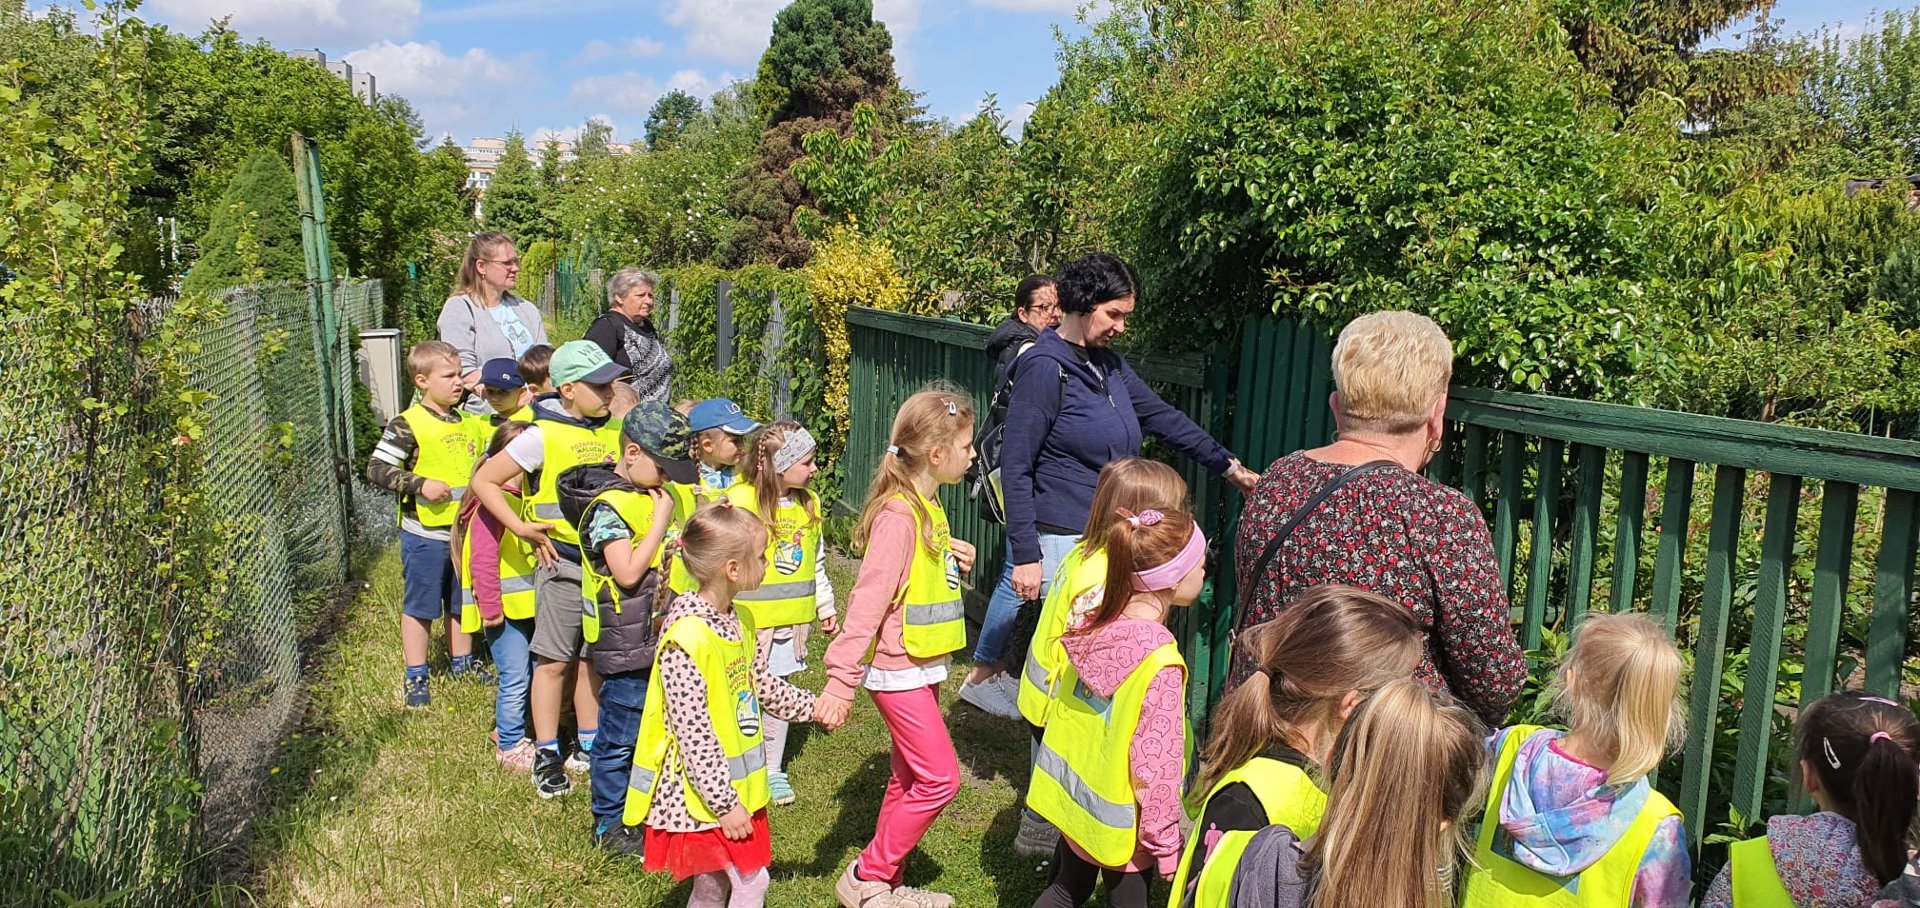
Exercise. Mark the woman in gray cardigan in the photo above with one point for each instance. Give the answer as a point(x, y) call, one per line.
point(483, 319)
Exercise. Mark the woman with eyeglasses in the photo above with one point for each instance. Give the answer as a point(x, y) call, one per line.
point(483, 319)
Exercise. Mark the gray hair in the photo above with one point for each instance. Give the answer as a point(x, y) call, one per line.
point(628, 278)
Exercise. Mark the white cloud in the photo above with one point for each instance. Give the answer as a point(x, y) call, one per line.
point(736, 31)
point(520, 10)
point(445, 89)
point(539, 135)
point(1018, 117)
point(632, 91)
point(641, 47)
point(298, 23)
point(1064, 7)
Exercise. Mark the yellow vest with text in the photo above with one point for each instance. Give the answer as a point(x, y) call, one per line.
point(1078, 574)
point(516, 576)
point(933, 620)
point(687, 498)
point(1497, 882)
point(732, 706)
point(1755, 877)
point(1289, 798)
point(1082, 779)
point(568, 446)
point(785, 595)
point(600, 591)
point(445, 451)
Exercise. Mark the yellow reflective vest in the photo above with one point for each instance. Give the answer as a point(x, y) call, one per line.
point(567, 446)
point(1755, 877)
point(1079, 574)
point(727, 668)
point(933, 621)
point(1289, 798)
point(1496, 881)
point(600, 591)
point(445, 451)
point(785, 595)
point(1083, 780)
point(516, 576)
point(688, 498)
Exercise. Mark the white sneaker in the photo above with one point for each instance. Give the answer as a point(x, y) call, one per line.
point(991, 698)
point(579, 762)
point(852, 892)
point(1011, 685)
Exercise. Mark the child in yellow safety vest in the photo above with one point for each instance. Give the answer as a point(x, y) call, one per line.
point(903, 619)
point(1406, 773)
point(1571, 817)
point(699, 778)
point(1857, 760)
point(720, 430)
point(505, 390)
point(1114, 754)
point(425, 456)
point(1133, 484)
point(1314, 664)
point(773, 485)
point(497, 601)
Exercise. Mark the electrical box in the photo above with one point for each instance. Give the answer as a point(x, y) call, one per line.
point(381, 371)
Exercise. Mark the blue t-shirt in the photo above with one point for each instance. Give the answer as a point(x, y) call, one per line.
point(508, 318)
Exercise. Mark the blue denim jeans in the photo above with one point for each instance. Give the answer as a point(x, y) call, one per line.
point(622, 697)
point(508, 644)
point(1004, 607)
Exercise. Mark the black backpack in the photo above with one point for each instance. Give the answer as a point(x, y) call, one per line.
point(983, 478)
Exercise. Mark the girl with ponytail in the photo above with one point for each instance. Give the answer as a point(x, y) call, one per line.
point(1314, 664)
point(1110, 764)
point(1857, 761)
point(1572, 819)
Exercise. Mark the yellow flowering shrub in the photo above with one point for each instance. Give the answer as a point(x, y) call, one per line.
point(849, 268)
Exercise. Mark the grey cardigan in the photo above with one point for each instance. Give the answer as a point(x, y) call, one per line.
point(479, 338)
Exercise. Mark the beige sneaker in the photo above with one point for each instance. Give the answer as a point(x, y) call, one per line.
point(854, 892)
point(518, 758)
point(922, 898)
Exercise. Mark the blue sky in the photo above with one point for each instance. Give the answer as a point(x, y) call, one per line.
point(479, 67)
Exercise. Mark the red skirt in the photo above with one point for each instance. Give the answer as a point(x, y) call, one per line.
point(686, 854)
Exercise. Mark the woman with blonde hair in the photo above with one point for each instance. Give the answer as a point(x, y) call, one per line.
point(483, 319)
point(1359, 512)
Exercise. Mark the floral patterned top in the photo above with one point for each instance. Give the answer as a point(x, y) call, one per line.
point(1817, 861)
point(1405, 537)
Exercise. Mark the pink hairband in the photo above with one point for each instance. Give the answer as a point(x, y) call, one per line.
point(1878, 736)
point(1169, 575)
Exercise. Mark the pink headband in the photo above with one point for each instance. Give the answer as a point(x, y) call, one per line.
point(1169, 575)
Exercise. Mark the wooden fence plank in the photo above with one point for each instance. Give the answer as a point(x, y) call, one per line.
point(1675, 516)
point(1763, 646)
point(1586, 527)
point(1546, 500)
point(1628, 524)
point(1710, 646)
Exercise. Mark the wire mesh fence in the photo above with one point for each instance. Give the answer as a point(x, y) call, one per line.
point(139, 712)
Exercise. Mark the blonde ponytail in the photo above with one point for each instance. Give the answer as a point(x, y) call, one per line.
point(1619, 691)
point(935, 417)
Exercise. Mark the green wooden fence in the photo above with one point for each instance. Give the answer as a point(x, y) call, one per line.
point(1782, 558)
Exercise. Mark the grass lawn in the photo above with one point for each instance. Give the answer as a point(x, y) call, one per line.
point(373, 805)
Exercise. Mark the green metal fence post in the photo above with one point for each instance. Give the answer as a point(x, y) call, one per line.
point(326, 329)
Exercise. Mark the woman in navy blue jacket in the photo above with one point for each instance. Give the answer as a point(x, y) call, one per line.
point(1077, 406)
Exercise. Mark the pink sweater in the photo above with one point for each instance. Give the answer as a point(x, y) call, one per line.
point(1104, 658)
point(873, 608)
point(486, 532)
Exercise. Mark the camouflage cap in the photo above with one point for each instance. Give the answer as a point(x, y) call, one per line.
point(662, 431)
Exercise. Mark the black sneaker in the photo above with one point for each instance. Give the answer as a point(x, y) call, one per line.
point(625, 841)
point(549, 774)
point(418, 697)
point(478, 674)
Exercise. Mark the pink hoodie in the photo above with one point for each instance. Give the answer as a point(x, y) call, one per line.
point(873, 608)
point(1104, 658)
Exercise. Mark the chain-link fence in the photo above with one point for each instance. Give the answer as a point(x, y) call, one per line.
point(137, 727)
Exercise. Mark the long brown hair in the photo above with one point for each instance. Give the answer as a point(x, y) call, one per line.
point(1405, 773)
point(715, 533)
point(1862, 748)
point(477, 248)
point(1135, 547)
point(1332, 640)
point(757, 469)
point(1624, 693)
point(939, 415)
point(1131, 484)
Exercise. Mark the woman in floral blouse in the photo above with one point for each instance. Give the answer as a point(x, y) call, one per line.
point(1387, 528)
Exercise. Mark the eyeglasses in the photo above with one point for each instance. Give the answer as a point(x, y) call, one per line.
point(510, 263)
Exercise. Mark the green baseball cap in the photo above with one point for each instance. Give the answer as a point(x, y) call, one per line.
point(582, 360)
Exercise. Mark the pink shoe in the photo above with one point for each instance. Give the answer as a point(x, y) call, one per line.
point(518, 758)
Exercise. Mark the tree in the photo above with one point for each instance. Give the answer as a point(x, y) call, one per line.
point(669, 118)
point(550, 168)
point(514, 203)
point(595, 136)
point(1642, 48)
point(255, 234)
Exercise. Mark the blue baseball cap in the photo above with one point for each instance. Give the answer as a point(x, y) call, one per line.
point(502, 374)
point(719, 413)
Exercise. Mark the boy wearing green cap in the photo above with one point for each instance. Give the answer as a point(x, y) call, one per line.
point(570, 428)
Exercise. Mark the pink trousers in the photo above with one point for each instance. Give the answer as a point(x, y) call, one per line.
point(926, 776)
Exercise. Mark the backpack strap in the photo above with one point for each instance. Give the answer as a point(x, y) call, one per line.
point(1313, 504)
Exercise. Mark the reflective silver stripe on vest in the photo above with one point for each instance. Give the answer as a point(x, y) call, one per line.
point(511, 585)
point(548, 510)
point(746, 764)
point(935, 612)
point(793, 589)
point(459, 493)
point(1103, 811)
point(641, 779)
point(1036, 674)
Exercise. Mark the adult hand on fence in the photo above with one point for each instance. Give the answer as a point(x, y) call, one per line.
point(434, 491)
point(1026, 581)
point(963, 553)
point(535, 534)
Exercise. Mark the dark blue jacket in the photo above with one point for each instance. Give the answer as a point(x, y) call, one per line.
point(1059, 435)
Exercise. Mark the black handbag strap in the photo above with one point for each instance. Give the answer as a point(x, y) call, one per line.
point(1313, 504)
